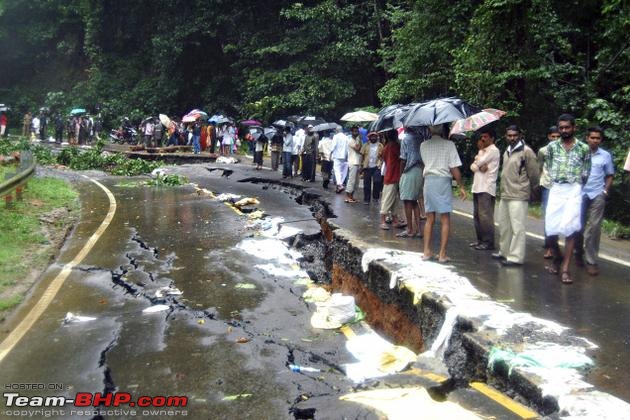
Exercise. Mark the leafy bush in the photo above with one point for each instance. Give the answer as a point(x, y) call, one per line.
point(167, 180)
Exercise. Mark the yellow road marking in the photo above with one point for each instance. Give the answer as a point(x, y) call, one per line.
point(431, 376)
point(517, 408)
point(347, 331)
point(236, 210)
point(38, 309)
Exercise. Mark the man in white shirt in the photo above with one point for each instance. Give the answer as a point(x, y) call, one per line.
point(287, 151)
point(298, 146)
point(324, 148)
point(339, 156)
point(354, 164)
point(485, 168)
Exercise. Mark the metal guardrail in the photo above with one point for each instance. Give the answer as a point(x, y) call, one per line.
point(15, 181)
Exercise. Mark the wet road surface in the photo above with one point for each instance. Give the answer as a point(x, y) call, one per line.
point(217, 340)
point(597, 308)
point(193, 349)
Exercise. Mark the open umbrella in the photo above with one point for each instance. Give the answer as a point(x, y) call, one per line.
point(360, 116)
point(4, 108)
point(282, 123)
point(194, 115)
point(390, 118)
point(326, 126)
point(165, 120)
point(251, 122)
point(78, 111)
point(310, 120)
point(270, 132)
point(476, 121)
point(438, 111)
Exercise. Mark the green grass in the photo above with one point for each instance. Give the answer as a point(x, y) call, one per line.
point(21, 234)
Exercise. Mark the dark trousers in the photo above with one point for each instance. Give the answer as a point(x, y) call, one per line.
point(327, 166)
point(275, 160)
point(372, 184)
point(58, 135)
point(286, 164)
point(307, 167)
point(587, 241)
point(483, 215)
point(295, 162)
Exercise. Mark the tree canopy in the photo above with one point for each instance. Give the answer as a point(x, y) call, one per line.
point(532, 58)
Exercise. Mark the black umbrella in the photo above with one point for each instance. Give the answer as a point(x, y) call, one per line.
point(390, 117)
point(438, 111)
point(310, 120)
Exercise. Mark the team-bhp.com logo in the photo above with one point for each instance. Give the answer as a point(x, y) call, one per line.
point(87, 401)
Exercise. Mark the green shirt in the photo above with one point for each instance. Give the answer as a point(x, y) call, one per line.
point(568, 166)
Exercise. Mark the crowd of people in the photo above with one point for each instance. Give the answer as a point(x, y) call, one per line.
point(413, 174)
point(79, 129)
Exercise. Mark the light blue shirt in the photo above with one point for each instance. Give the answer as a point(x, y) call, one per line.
point(601, 167)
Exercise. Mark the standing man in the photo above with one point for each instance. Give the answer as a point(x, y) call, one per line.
point(410, 183)
point(354, 164)
point(519, 176)
point(26, 124)
point(3, 123)
point(43, 125)
point(34, 127)
point(441, 165)
point(324, 148)
point(308, 157)
point(276, 149)
point(568, 163)
point(484, 189)
point(372, 153)
point(594, 197)
point(148, 130)
point(545, 183)
point(390, 201)
point(59, 126)
point(298, 145)
point(339, 155)
point(287, 151)
point(157, 132)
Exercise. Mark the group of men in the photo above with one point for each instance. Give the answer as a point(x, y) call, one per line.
point(79, 129)
point(574, 178)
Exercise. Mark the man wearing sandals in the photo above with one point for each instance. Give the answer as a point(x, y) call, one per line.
point(568, 163)
point(441, 165)
point(519, 176)
point(484, 188)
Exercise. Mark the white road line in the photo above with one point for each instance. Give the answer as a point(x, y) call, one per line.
point(542, 238)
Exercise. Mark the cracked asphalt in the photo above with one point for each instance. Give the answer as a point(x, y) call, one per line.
point(213, 341)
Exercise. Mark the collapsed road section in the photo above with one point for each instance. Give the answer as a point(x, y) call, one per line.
point(429, 307)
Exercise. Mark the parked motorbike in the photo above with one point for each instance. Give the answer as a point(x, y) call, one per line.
point(124, 135)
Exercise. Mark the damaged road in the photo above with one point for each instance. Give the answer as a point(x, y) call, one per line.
point(194, 296)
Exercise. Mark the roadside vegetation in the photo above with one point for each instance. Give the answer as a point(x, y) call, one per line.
point(31, 233)
point(81, 160)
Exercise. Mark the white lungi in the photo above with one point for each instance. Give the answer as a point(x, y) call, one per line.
point(341, 171)
point(563, 215)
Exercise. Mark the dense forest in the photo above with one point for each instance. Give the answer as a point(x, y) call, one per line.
point(532, 58)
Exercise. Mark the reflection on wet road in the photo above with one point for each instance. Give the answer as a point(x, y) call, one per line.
point(216, 340)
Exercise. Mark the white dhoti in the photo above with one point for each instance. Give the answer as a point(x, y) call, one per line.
point(341, 171)
point(563, 215)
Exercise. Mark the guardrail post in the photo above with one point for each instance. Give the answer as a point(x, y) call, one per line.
point(8, 200)
point(18, 193)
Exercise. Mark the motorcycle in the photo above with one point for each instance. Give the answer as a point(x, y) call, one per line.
point(124, 135)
